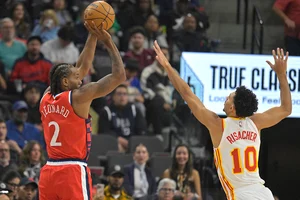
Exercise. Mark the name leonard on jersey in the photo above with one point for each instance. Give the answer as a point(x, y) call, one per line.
point(55, 109)
point(242, 135)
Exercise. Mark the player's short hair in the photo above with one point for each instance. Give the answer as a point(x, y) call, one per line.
point(245, 102)
point(57, 73)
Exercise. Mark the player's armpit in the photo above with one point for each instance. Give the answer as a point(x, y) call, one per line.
point(208, 118)
point(269, 118)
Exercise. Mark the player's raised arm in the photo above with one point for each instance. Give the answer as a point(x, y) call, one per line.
point(276, 114)
point(205, 116)
point(108, 83)
point(86, 57)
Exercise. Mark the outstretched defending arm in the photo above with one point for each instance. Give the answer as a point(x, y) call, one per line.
point(276, 114)
point(205, 116)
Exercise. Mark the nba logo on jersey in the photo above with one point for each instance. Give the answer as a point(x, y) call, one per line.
point(240, 124)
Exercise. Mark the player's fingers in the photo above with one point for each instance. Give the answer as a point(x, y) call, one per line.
point(101, 27)
point(282, 54)
point(156, 45)
point(286, 56)
point(269, 63)
point(87, 25)
point(274, 54)
point(94, 26)
point(278, 53)
point(155, 49)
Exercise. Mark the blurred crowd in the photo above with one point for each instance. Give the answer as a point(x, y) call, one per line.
point(35, 35)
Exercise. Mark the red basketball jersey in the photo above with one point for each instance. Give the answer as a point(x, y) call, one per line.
point(67, 135)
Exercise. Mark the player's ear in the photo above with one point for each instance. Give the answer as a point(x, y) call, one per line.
point(232, 107)
point(65, 82)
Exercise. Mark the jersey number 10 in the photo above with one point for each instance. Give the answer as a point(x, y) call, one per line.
point(249, 155)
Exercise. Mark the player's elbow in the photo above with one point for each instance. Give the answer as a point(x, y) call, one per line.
point(287, 110)
point(119, 74)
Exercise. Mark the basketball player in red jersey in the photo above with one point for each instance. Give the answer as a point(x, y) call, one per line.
point(64, 112)
point(236, 139)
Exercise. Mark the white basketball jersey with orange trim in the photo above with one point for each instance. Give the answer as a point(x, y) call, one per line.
point(236, 158)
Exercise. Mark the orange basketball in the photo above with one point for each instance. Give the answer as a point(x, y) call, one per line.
point(100, 11)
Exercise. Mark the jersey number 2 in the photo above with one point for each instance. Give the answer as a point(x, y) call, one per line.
point(53, 141)
point(249, 153)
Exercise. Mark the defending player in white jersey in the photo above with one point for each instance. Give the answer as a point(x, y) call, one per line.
point(236, 139)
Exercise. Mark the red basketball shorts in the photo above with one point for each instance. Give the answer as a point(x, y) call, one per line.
point(65, 180)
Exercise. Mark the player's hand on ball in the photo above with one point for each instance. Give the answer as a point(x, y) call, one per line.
point(280, 64)
point(100, 33)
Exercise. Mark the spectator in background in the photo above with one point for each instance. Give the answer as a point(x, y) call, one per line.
point(15, 150)
point(12, 179)
point(141, 12)
point(114, 189)
point(21, 19)
point(139, 181)
point(5, 162)
point(3, 84)
point(61, 49)
point(28, 189)
point(81, 33)
point(133, 85)
point(32, 96)
point(10, 49)
point(32, 160)
point(289, 12)
point(157, 92)
point(48, 26)
point(153, 33)
point(144, 56)
point(32, 66)
point(183, 173)
point(4, 191)
point(173, 20)
point(165, 190)
point(63, 15)
point(20, 130)
point(188, 39)
point(121, 118)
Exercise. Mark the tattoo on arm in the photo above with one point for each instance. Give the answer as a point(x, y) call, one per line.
point(117, 63)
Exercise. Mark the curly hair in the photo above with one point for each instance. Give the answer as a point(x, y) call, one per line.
point(245, 102)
